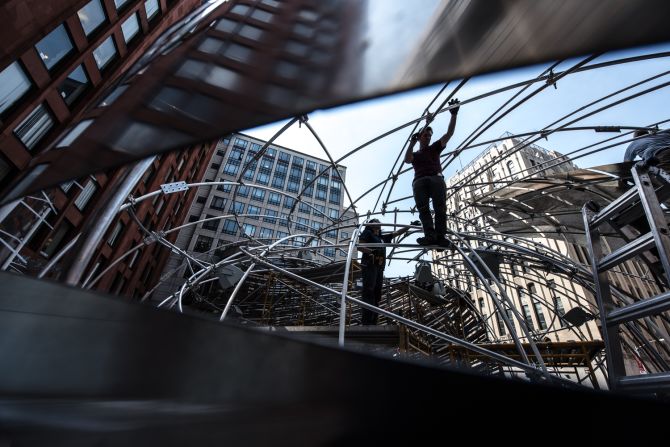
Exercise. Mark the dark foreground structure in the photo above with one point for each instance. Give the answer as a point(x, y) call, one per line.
point(89, 370)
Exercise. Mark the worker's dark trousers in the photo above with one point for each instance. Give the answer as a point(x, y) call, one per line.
point(373, 279)
point(426, 188)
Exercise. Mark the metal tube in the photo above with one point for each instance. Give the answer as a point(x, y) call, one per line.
point(345, 283)
point(25, 239)
point(102, 218)
point(238, 286)
point(429, 330)
point(56, 258)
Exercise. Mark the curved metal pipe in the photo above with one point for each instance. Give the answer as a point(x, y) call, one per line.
point(345, 283)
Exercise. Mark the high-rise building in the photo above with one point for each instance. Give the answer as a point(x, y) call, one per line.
point(57, 63)
point(263, 206)
point(540, 295)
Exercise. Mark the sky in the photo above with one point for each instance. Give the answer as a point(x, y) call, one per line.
point(346, 127)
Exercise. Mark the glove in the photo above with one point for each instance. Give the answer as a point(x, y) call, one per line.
point(414, 138)
point(415, 222)
point(455, 102)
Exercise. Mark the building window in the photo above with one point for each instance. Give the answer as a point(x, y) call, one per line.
point(258, 194)
point(74, 85)
point(201, 199)
point(302, 224)
point(333, 213)
point(501, 324)
point(335, 192)
point(527, 317)
point(85, 195)
point(13, 85)
point(120, 3)
point(232, 167)
point(203, 244)
point(66, 186)
point(270, 219)
point(105, 52)
point(263, 178)
point(225, 25)
point(152, 8)
point(218, 203)
point(243, 191)
point(266, 233)
point(54, 47)
point(114, 236)
point(241, 143)
point(113, 95)
point(130, 27)
point(293, 185)
point(274, 199)
point(254, 211)
point(539, 315)
point(230, 227)
point(215, 166)
point(262, 15)
point(224, 188)
point(513, 270)
point(278, 181)
point(304, 208)
point(240, 9)
point(288, 202)
point(240, 53)
point(249, 173)
point(249, 230)
point(236, 208)
point(560, 310)
point(34, 127)
point(212, 225)
point(91, 16)
point(283, 156)
point(330, 252)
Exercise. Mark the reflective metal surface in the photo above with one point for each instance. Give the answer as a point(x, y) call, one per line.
point(240, 64)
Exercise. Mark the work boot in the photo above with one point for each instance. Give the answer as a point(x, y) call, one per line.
point(444, 242)
point(427, 240)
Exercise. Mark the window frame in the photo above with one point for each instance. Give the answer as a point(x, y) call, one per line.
point(10, 105)
point(110, 60)
point(99, 25)
point(137, 32)
point(78, 92)
point(31, 143)
point(53, 66)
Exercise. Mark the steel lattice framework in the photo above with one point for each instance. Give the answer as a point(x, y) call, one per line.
point(283, 286)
